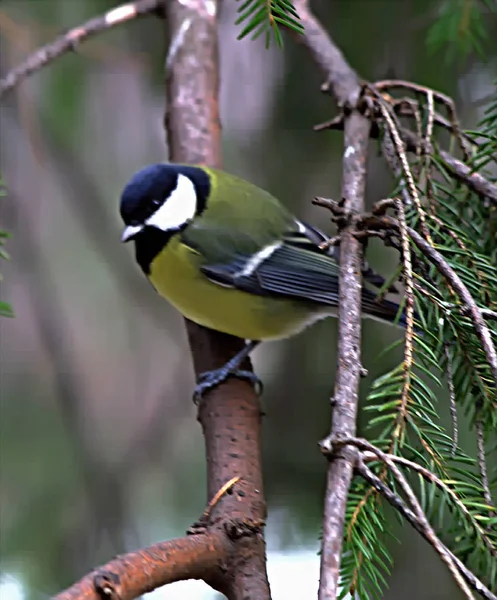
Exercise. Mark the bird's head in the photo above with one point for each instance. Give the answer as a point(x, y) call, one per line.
point(164, 198)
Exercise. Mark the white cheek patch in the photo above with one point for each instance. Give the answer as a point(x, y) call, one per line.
point(178, 209)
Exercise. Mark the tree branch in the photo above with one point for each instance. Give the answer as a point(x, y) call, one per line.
point(475, 314)
point(468, 303)
point(339, 77)
point(415, 515)
point(345, 86)
point(230, 415)
point(131, 575)
point(475, 181)
point(371, 452)
point(346, 395)
point(69, 41)
point(227, 548)
point(457, 168)
point(374, 453)
point(420, 526)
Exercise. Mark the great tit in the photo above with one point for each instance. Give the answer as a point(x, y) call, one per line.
point(230, 257)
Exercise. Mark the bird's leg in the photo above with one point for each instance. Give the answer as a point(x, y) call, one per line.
point(211, 379)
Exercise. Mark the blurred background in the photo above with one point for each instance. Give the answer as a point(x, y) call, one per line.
point(100, 450)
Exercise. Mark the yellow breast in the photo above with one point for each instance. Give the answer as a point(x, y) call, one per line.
point(176, 277)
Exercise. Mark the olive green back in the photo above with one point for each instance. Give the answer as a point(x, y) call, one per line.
point(240, 218)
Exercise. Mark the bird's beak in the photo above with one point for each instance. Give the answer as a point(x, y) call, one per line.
point(130, 231)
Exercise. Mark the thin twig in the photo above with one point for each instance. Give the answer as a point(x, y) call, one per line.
point(450, 232)
point(395, 150)
point(430, 534)
point(390, 154)
point(458, 169)
point(437, 259)
point(394, 132)
point(427, 162)
point(452, 402)
point(408, 107)
point(409, 310)
point(482, 461)
point(447, 101)
point(69, 41)
point(475, 313)
point(372, 452)
point(465, 174)
point(419, 128)
point(219, 494)
point(416, 87)
point(419, 526)
point(461, 574)
point(409, 336)
point(491, 315)
point(431, 117)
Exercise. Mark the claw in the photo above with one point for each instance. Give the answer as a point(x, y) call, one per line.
point(211, 379)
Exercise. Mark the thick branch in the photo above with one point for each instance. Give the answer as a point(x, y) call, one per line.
point(69, 41)
point(344, 84)
point(230, 414)
point(131, 575)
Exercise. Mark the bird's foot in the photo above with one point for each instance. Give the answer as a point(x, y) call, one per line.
point(211, 379)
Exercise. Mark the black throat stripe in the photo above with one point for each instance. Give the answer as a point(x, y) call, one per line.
point(148, 244)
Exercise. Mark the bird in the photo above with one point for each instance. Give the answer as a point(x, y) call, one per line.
point(229, 256)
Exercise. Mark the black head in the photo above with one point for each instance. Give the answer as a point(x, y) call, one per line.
point(157, 202)
point(165, 196)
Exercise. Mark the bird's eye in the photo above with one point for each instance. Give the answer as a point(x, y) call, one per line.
point(156, 202)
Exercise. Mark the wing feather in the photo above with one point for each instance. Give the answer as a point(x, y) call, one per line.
point(297, 269)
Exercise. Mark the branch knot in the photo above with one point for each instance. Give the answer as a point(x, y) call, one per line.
point(237, 528)
point(106, 584)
